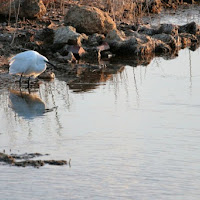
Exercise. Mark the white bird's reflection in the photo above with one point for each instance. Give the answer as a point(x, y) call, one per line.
point(26, 105)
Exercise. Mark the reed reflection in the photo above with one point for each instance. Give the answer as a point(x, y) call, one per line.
point(26, 105)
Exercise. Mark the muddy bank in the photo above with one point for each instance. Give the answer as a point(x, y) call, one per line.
point(24, 160)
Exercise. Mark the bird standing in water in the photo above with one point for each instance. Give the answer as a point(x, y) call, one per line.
point(28, 63)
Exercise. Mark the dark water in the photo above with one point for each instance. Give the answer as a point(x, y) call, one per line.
point(135, 136)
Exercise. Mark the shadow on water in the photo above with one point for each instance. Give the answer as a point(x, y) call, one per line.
point(26, 105)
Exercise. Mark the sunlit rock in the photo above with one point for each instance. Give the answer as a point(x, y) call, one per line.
point(89, 20)
point(27, 8)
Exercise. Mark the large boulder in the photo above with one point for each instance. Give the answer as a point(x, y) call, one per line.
point(89, 20)
point(27, 8)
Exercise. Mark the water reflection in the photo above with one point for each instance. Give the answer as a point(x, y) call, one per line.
point(26, 105)
point(89, 79)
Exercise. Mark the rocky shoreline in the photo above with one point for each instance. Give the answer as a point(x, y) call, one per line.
point(87, 41)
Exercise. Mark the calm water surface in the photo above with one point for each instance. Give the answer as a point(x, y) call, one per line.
point(135, 136)
point(182, 15)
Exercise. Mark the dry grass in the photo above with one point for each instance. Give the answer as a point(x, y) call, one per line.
point(125, 9)
point(119, 10)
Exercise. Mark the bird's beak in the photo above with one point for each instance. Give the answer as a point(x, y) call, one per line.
point(50, 64)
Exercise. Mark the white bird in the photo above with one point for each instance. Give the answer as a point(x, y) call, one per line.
point(28, 63)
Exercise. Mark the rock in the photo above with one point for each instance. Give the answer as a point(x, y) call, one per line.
point(147, 30)
point(28, 8)
point(191, 28)
point(134, 46)
point(47, 75)
point(92, 55)
point(188, 39)
point(161, 47)
point(146, 45)
point(89, 20)
point(33, 8)
point(45, 35)
point(167, 39)
point(124, 27)
point(5, 37)
point(55, 162)
point(60, 58)
point(115, 35)
point(13, 160)
point(65, 59)
point(6, 158)
point(106, 55)
point(75, 49)
point(168, 29)
point(142, 38)
point(95, 39)
point(70, 58)
point(103, 47)
point(67, 35)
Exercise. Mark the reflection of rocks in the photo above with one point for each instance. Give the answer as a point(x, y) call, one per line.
point(86, 77)
point(26, 105)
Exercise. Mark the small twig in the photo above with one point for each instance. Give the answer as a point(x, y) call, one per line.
point(9, 13)
point(16, 23)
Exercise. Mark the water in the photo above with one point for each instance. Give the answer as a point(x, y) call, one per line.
point(182, 15)
point(135, 136)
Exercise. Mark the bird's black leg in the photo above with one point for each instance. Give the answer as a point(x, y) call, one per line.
point(20, 80)
point(29, 82)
